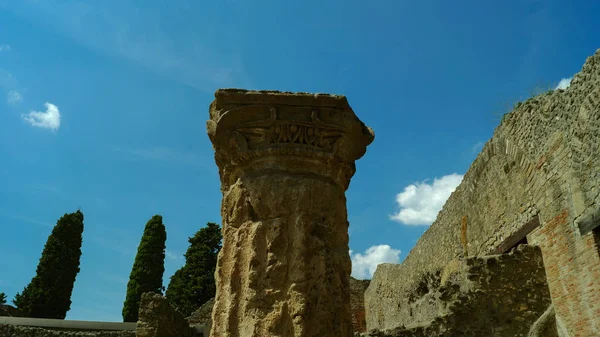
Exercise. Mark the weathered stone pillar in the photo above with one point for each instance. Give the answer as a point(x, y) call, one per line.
point(285, 161)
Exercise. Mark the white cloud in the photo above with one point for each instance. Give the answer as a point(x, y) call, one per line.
point(166, 154)
point(4, 47)
point(172, 256)
point(477, 147)
point(14, 97)
point(49, 119)
point(364, 265)
point(420, 202)
point(564, 83)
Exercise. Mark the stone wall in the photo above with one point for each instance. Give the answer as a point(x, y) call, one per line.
point(24, 331)
point(495, 296)
point(203, 315)
point(537, 178)
point(357, 304)
point(158, 319)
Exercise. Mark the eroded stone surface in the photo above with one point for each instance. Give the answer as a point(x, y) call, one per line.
point(541, 165)
point(357, 304)
point(545, 326)
point(202, 316)
point(157, 318)
point(27, 331)
point(495, 296)
point(285, 161)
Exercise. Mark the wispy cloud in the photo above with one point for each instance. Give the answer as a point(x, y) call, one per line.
point(7, 80)
point(114, 278)
point(364, 265)
point(14, 97)
point(564, 83)
point(163, 153)
point(173, 256)
point(49, 119)
point(134, 32)
point(24, 218)
point(115, 240)
point(421, 202)
point(477, 147)
point(5, 47)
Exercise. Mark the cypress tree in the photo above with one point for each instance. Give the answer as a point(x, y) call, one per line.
point(48, 295)
point(194, 283)
point(148, 268)
point(2, 298)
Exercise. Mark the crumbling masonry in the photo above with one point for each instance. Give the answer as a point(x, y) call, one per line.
point(285, 161)
point(536, 182)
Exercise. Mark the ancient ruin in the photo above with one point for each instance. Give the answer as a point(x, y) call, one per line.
point(536, 182)
point(285, 161)
point(515, 251)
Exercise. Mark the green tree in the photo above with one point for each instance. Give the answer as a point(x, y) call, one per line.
point(48, 295)
point(148, 268)
point(194, 283)
point(2, 298)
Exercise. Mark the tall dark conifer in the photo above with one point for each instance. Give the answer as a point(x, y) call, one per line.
point(148, 268)
point(194, 283)
point(48, 295)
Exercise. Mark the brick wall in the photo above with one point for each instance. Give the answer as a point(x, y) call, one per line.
point(542, 161)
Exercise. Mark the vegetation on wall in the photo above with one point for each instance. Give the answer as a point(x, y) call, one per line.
point(148, 268)
point(508, 105)
point(194, 283)
point(48, 295)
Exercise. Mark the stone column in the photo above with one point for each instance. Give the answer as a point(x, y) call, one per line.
point(285, 161)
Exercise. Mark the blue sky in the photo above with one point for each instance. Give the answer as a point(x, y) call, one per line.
point(104, 103)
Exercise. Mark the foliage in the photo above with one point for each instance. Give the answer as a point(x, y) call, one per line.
point(194, 283)
point(509, 105)
point(2, 298)
point(148, 268)
point(48, 295)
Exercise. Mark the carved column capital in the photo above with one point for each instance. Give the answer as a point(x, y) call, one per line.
point(271, 130)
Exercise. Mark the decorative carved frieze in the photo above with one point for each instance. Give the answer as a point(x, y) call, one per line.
point(316, 134)
point(273, 132)
point(270, 131)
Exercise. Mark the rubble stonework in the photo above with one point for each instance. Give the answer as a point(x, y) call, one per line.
point(158, 319)
point(26, 331)
point(496, 296)
point(357, 304)
point(285, 161)
point(203, 315)
point(537, 179)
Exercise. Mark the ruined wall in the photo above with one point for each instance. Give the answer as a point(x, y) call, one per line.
point(357, 304)
point(539, 176)
point(158, 319)
point(203, 315)
point(497, 296)
point(25, 331)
